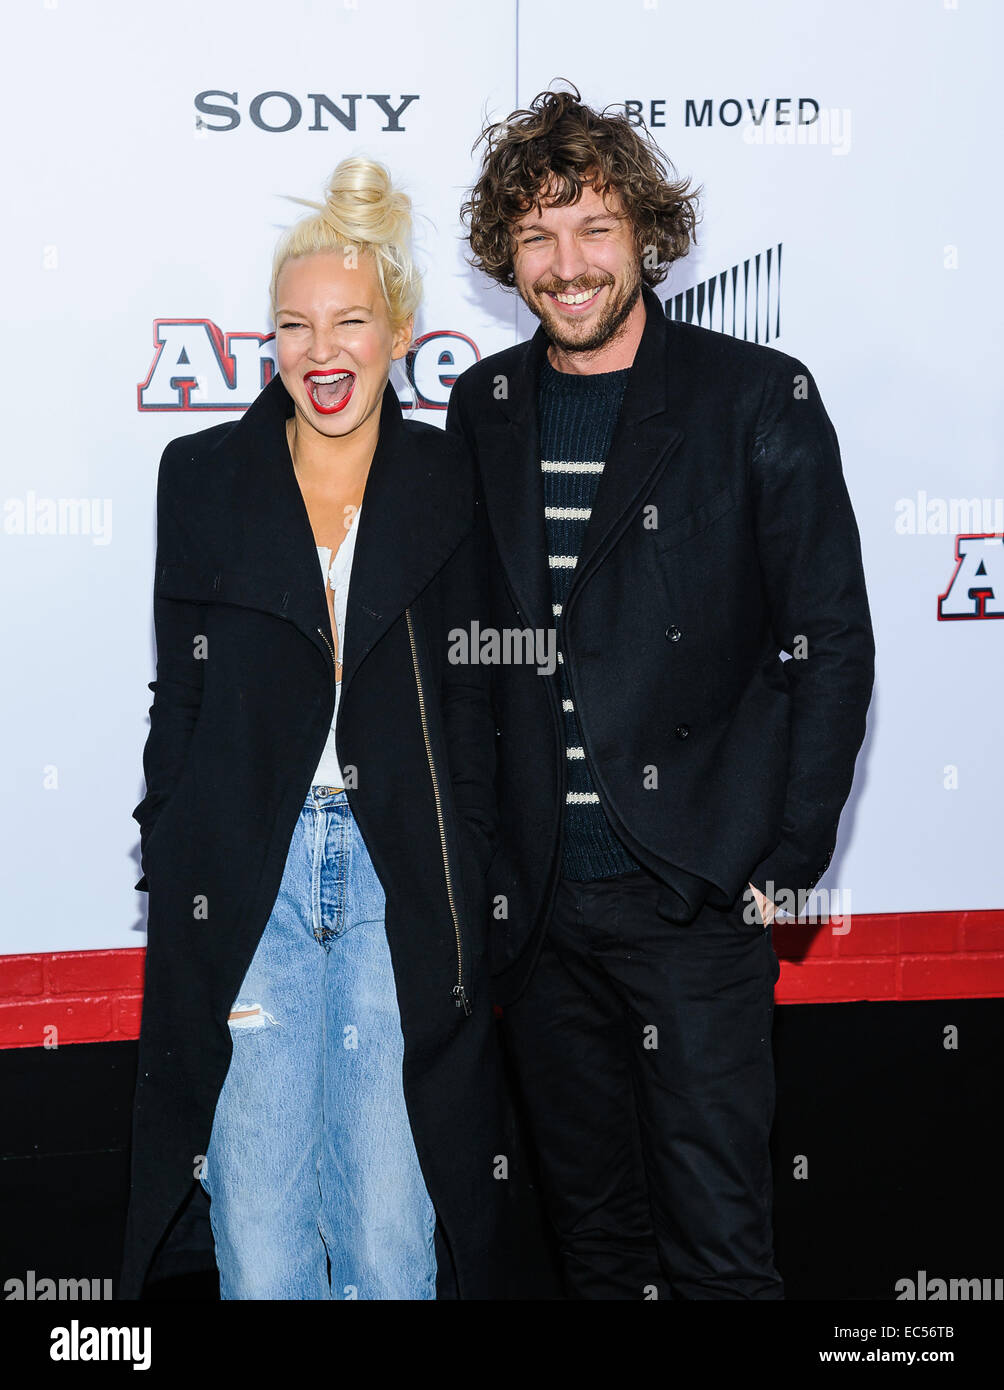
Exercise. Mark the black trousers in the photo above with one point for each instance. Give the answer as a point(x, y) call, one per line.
point(643, 1053)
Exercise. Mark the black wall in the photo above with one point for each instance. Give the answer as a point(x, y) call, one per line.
point(901, 1136)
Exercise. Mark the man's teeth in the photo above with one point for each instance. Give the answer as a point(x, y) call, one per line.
point(579, 298)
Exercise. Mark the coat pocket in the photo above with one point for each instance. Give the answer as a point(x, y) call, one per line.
point(746, 912)
point(668, 537)
point(169, 808)
point(242, 588)
point(188, 583)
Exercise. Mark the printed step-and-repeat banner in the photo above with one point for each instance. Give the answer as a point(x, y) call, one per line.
point(848, 154)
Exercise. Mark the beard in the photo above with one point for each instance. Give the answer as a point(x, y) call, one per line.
point(566, 335)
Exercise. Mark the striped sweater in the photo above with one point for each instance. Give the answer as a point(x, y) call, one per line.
point(577, 417)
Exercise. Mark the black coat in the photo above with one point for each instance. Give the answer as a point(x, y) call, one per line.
point(672, 631)
point(234, 741)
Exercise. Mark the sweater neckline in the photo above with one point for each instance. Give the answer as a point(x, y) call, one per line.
point(575, 381)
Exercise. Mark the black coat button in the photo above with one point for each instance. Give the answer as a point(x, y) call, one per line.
point(674, 634)
point(682, 730)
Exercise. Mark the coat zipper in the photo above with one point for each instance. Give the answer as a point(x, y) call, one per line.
point(327, 643)
point(334, 663)
point(459, 992)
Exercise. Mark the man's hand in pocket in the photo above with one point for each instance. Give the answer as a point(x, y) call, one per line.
point(767, 908)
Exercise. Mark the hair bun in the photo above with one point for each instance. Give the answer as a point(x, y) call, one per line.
point(362, 208)
point(362, 200)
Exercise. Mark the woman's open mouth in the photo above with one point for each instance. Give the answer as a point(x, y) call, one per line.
point(330, 391)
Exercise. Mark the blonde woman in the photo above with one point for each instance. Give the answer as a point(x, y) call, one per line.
point(317, 1046)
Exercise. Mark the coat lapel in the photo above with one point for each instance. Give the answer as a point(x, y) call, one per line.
point(514, 492)
point(646, 435)
point(414, 515)
point(412, 518)
point(648, 431)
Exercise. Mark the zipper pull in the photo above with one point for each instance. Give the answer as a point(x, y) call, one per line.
point(461, 1000)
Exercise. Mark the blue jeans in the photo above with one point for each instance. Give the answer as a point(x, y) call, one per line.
point(311, 1159)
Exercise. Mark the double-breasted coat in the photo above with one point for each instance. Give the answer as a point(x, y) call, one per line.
point(243, 699)
point(721, 535)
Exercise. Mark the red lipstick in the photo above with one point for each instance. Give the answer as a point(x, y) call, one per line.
point(335, 379)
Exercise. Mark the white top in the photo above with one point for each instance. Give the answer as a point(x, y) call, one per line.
point(336, 573)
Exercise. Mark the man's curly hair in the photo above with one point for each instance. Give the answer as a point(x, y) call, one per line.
point(559, 139)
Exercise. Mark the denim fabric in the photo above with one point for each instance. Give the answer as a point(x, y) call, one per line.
point(311, 1157)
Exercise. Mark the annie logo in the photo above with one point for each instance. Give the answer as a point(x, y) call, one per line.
point(196, 366)
point(976, 589)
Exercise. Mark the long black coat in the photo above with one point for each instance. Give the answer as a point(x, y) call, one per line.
point(673, 626)
point(235, 737)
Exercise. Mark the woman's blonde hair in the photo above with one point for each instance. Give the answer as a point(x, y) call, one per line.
point(365, 213)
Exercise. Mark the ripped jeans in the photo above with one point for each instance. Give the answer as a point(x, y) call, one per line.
point(311, 1162)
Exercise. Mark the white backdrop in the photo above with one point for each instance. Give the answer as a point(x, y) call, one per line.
point(125, 214)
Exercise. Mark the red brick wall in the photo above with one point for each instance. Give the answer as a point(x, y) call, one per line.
point(909, 955)
point(95, 996)
point(89, 996)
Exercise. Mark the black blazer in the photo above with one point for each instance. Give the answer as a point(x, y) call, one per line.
point(234, 740)
point(673, 627)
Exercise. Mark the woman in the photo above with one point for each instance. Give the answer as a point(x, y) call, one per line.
point(317, 1046)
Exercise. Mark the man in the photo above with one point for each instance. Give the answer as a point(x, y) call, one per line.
point(670, 500)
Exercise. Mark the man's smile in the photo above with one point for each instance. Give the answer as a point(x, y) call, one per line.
point(576, 302)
